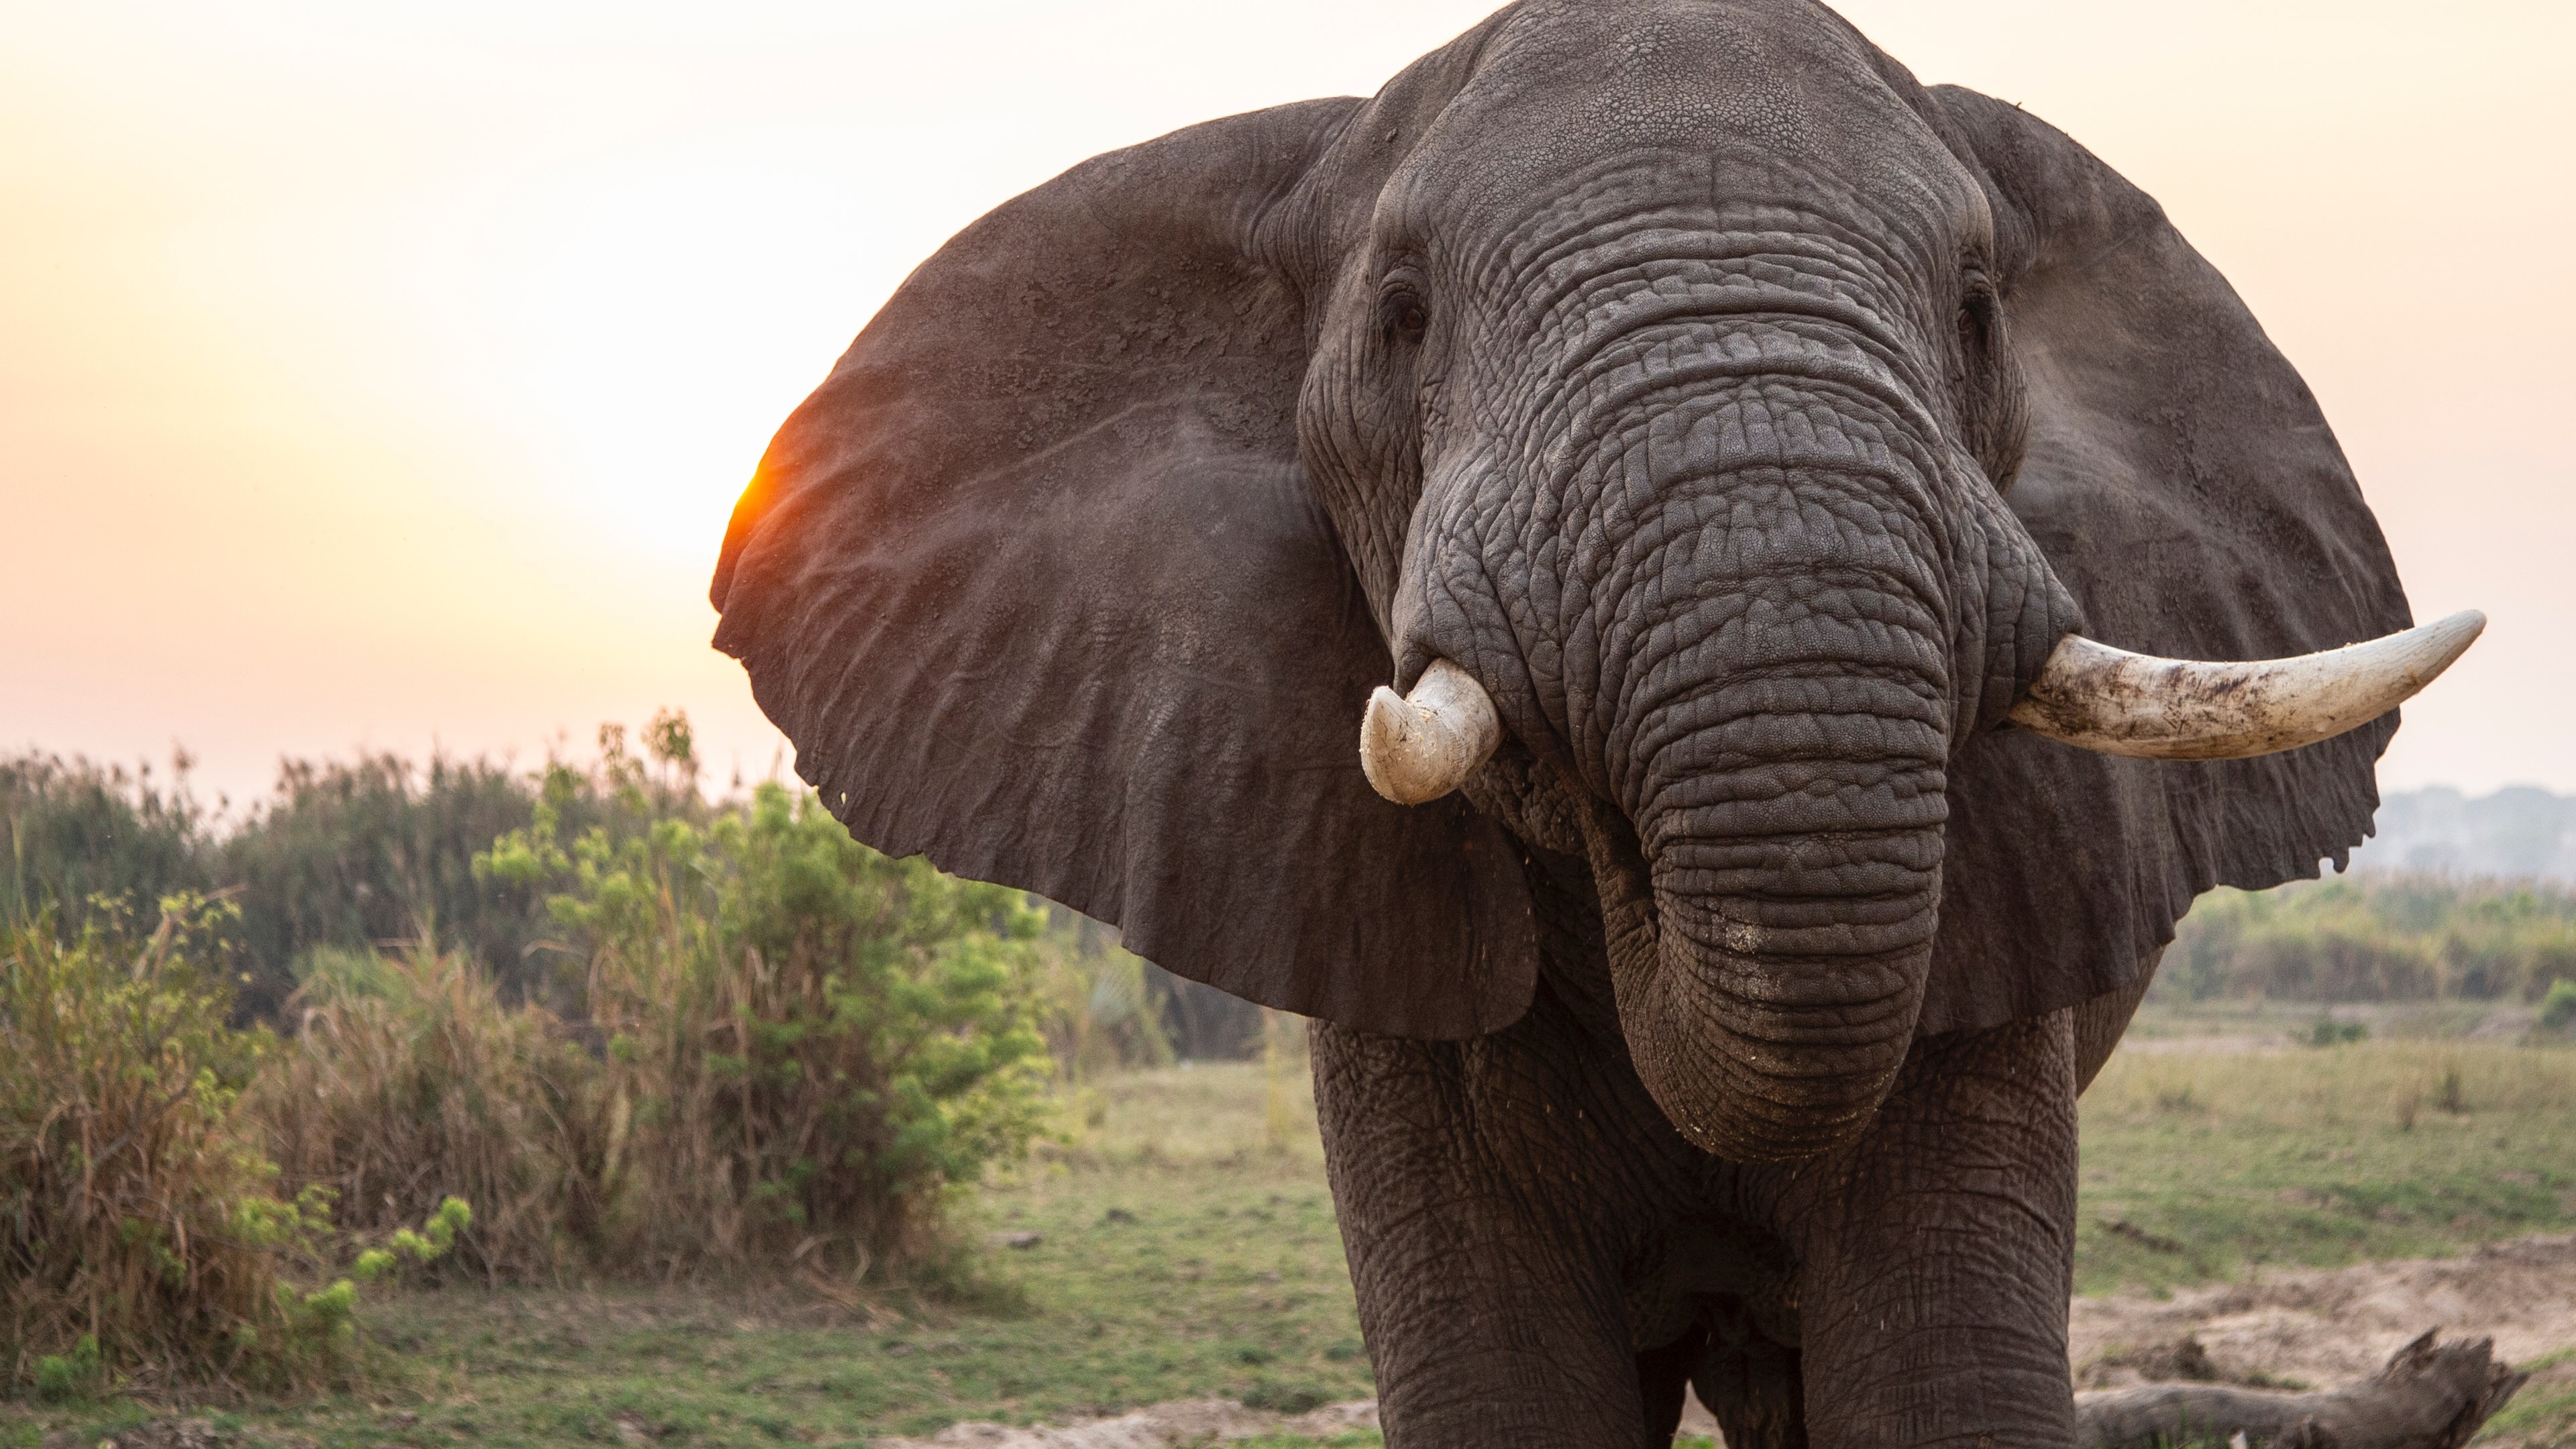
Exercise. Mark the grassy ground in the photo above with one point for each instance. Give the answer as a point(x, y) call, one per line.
point(2543, 1415)
point(2252, 1020)
point(2200, 1166)
point(1187, 1247)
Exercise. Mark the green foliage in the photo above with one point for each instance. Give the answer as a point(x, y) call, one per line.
point(807, 1043)
point(2558, 1008)
point(78, 1374)
point(428, 1245)
point(2328, 1032)
point(639, 1032)
point(141, 1236)
point(2376, 938)
point(344, 855)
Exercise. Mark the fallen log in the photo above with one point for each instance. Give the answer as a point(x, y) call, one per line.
point(2429, 1396)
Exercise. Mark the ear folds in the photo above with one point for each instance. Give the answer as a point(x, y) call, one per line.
point(2184, 486)
point(1037, 586)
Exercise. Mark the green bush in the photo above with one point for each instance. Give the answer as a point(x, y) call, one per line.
point(2558, 1008)
point(639, 1032)
point(141, 1235)
point(343, 855)
point(807, 1044)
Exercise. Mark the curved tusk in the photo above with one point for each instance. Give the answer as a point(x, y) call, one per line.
point(1424, 745)
point(2100, 698)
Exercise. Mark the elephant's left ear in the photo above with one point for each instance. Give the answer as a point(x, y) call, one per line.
point(2183, 484)
point(1037, 586)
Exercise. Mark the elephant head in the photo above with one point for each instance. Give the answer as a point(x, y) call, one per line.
point(1733, 447)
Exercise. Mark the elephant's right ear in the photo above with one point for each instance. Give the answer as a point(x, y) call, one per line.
point(2185, 488)
point(1038, 588)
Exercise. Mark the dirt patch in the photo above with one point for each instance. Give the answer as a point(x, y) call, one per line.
point(2321, 1327)
point(1190, 1421)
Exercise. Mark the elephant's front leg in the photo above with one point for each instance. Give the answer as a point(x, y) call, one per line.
point(1937, 1252)
point(1480, 1245)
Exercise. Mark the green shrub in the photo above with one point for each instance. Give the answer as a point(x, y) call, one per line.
point(345, 854)
point(2327, 1032)
point(807, 1044)
point(141, 1236)
point(2558, 1008)
point(427, 1246)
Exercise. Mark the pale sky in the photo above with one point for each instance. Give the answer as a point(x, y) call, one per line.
point(382, 375)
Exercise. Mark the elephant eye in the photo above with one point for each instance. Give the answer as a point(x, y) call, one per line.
point(1972, 327)
point(1405, 317)
point(1976, 320)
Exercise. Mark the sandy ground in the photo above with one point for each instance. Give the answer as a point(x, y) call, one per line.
point(2291, 1328)
point(2323, 1326)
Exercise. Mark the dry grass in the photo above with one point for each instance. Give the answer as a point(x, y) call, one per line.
point(408, 1081)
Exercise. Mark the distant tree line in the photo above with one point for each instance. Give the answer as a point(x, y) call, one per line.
point(377, 852)
point(2402, 937)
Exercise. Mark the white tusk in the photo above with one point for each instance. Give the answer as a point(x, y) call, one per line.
point(2100, 698)
point(1424, 745)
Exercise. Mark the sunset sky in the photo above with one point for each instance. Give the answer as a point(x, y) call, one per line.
point(382, 374)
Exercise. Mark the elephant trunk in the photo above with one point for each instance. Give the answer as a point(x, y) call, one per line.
point(1769, 919)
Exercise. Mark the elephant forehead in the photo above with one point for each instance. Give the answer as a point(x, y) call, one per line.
point(1563, 86)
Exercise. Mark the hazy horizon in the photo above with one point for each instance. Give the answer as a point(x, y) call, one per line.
point(375, 376)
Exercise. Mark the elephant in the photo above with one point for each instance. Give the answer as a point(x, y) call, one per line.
point(1724, 480)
